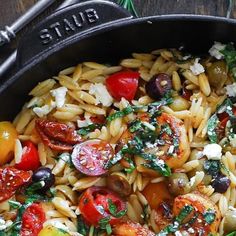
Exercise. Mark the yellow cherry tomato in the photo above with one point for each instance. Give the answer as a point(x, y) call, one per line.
point(8, 135)
point(52, 231)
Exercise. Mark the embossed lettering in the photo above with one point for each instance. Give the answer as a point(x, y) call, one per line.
point(78, 22)
point(91, 15)
point(45, 36)
point(55, 27)
point(68, 26)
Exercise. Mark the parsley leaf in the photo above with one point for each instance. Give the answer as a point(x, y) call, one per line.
point(104, 224)
point(212, 167)
point(113, 209)
point(209, 216)
point(82, 227)
point(90, 128)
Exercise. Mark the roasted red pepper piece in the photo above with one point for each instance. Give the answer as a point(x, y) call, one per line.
point(57, 136)
point(10, 180)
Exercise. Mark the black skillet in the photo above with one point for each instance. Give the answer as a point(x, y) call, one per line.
point(101, 31)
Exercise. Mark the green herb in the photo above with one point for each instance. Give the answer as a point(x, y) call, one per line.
point(82, 227)
point(126, 111)
point(90, 128)
point(211, 128)
point(166, 129)
point(229, 53)
point(232, 234)
point(131, 165)
point(113, 210)
point(135, 126)
point(212, 167)
point(171, 228)
point(34, 187)
point(128, 5)
point(14, 204)
point(66, 157)
point(209, 216)
point(104, 224)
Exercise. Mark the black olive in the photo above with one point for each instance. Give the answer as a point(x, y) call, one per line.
point(221, 183)
point(158, 86)
point(44, 174)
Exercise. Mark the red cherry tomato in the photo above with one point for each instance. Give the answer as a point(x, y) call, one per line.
point(32, 220)
point(30, 157)
point(224, 117)
point(186, 94)
point(123, 84)
point(57, 136)
point(10, 180)
point(94, 205)
point(91, 156)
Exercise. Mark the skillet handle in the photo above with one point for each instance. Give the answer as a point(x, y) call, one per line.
point(66, 24)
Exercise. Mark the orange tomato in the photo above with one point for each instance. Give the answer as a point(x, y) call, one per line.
point(8, 135)
point(157, 194)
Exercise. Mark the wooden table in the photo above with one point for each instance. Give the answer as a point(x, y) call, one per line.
point(11, 9)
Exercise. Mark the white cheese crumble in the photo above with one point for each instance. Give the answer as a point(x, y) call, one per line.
point(231, 90)
point(60, 96)
point(44, 110)
point(232, 140)
point(213, 151)
point(101, 94)
point(84, 123)
point(178, 233)
point(5, 224)
point(197, 68)
point(214, 51)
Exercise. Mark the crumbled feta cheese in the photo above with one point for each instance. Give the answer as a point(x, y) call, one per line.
point(231, 90)
point(101, 94)
point(191, 230)
point(197, 68)
point(178, 233)
point(60, 96)
point(214, 51)
point(44, 110)
point(232, 140)
point(5, 224)
point(84, 123)
point(171, 149)
point(232, 208)
point(213, 151)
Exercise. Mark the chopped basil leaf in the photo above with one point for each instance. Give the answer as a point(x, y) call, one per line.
point(128, 5)
point(66, 157)
point(131, 164)
point(231, 234)
point(108, 229)
point(126, 111)
point(166, 129)
point(113, 210)
point(104, 224)
point(90, 128)
point(209, 216)
point(14, 204)
point(211, 128)
point(135, 126)
point(229, 53)
point(212, 167)
point(34, 187)
point(185, 211)
point(82, 227)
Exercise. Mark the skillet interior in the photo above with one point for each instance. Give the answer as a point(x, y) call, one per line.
point(112, 42)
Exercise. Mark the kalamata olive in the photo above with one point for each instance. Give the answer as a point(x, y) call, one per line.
point(221, 183)
point(179, 104)
point(179, 184)
point(44, 174)
point(118, 183)
point(158, 85)
point(217, 74)
point(230, 221)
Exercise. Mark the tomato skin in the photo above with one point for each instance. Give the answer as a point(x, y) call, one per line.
point(93, 205)
point(10, 180)
point(57, 136)
point(8, 134)
point(91, 156)
point(30, 157)
point(32, 220)
point(123, 84)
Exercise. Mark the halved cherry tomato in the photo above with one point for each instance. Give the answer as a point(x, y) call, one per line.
point(98, 119)
point(30, 157)
point(57, 136)
point(156, 194)
point(10, 180)
point(8, 134)
point(123, 84)
point(94, 205)
point(90, 157)
point(32, 220)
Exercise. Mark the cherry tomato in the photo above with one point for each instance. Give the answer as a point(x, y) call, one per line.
point(57, 136)
point(94, 205)
point(156, 194)
point(30, 157)
point(32, 220)
point(186, 94)
point(10, 180)
point(123, 84)
point(8, 134)
point(98, 119)
point(91, 156)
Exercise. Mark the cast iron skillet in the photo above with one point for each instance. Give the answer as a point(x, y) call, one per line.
point(101, 31)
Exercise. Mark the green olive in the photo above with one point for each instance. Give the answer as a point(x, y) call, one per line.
point(230, 221)
point(118, 182)
point(179, 104)
point(217, 74)
point(179, 184)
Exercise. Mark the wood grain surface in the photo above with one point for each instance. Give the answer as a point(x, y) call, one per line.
point(10, 10)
